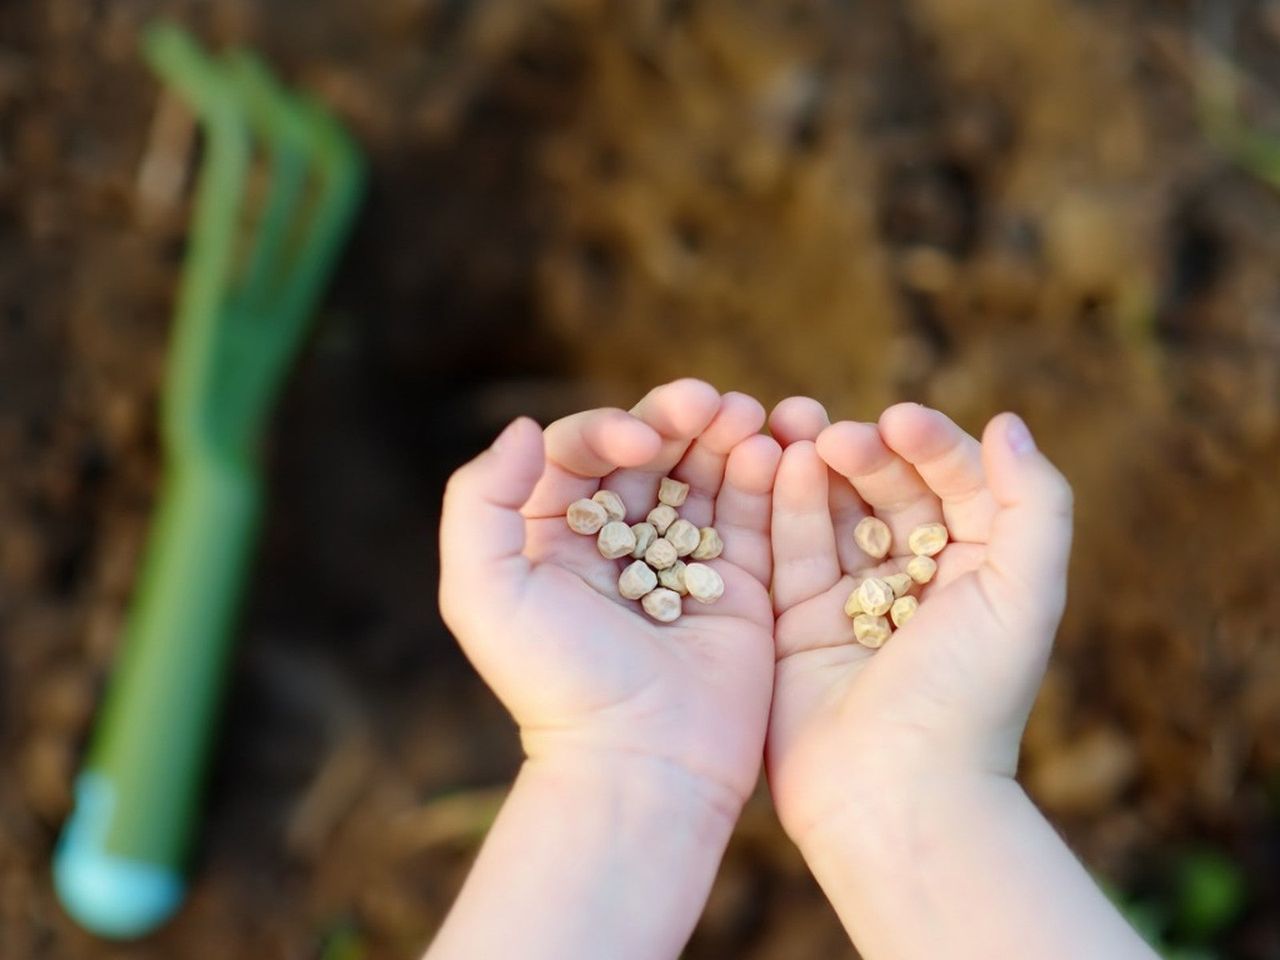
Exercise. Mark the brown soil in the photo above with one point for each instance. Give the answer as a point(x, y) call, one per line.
point(979, 205)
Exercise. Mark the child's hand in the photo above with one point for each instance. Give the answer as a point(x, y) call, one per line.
point(589, 678)
point(891, 769)
point(947, 697)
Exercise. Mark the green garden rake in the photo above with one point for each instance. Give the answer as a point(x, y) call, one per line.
point(254, 272)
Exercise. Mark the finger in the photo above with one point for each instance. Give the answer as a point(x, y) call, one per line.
point(950, 463)
point(743, 510)
point(797, 418)
point(886, 482)
point(1025, 573)
point(481, 529)
point(804, 549)
point(583, 447)
point(703, 466)
point(678, 411)
point(800, 418)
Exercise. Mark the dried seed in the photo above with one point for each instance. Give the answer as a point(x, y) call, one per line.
point(662, 516)
point(673, 578)
point(612, 503)
point(645, 535)
point(703, 582)
point(853, 606)
point(875, 596)
point(661, 554)
point(662, 604)
point(672, 492)
point(637, 580)
point(871, 631)
point(683, 535)
point(903, 609)
point(873, 536)
point(709, 546)
point(586, 516)
point(928, 539)
point(922, 569)
point(615, 540)
point(900, 583)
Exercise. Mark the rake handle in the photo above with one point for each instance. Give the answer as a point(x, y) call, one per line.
point(138, 792)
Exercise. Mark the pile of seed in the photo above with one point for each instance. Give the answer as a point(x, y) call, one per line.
point(875, 597)
point(657, 576)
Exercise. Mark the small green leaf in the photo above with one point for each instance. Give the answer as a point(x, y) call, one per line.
point(1209, 894)
point(343, 942)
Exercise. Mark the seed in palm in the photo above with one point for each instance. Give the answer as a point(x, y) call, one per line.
point(922, 569)
point(928, 539)
point(673, 578)
point(672, 492)
point(616, 540)
point(645, 535)
point(871, 631)
point(612, 503)
point(901, 583)
point(709, 545)
point(705, 585)
point(903, 609)
point(586, 517)
point(873, 536)
point(662, 604)
point(662, 516)
point(661, 554)
point(684, 536)
point(636, 580)
point(875, 596)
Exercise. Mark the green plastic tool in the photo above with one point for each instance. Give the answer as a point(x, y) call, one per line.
point(255, 269)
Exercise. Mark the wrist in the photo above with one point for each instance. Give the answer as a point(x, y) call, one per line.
point(898, 821)
point(859, 782)
point(591, 849)
point(637, 793)
point(961, 866)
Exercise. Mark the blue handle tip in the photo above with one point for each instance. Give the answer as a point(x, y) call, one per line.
point(114, 898)
point(109, 895)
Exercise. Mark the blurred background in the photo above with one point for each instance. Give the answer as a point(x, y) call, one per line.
point(976, 204)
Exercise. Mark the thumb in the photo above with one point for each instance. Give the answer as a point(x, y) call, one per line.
point(481, 530)
point(1026, 566)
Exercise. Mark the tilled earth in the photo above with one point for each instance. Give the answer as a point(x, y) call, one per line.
point(978, 205)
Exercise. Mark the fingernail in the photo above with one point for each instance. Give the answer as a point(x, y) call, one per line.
point(505, 436)
point(1019, 437)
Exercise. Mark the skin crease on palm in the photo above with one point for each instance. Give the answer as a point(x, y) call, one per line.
point(950, 692)
point(581, 669)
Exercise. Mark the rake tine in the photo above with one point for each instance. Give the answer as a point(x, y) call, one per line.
point(278, 126)
point(341, 175)
point(210, 256)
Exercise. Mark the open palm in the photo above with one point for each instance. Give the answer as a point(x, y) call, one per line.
point(537, 609)
point(952, 687)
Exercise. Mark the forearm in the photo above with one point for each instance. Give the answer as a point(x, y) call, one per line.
point(964, 870)
point(589, 858)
